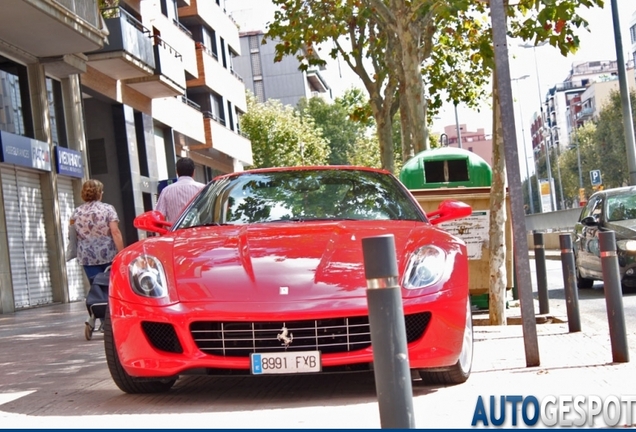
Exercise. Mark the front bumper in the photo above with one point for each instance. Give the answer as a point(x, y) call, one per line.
point(159, 342)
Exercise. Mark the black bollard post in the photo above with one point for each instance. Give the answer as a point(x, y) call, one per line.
point(569, 283)
point(542, 274)
point(613, 296)
point(388, 333)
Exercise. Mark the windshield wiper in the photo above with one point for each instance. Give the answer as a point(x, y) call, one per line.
point(310, 219)
point(209, 224)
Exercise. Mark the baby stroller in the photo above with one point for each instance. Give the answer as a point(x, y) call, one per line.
point(96, 302)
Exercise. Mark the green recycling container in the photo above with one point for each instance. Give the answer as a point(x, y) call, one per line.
point(446, 167)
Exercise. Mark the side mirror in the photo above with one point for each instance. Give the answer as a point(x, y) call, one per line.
point(589, 221)
point(152, 221)
point(449, 210)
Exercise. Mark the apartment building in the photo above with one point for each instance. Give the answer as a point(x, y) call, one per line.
point(477, 141)
point(117, 94)
point(555, 128)
point(281, 80)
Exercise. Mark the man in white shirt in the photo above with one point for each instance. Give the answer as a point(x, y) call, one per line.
point(175, 197)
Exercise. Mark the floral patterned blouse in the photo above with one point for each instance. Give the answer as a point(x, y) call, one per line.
point(95, 244)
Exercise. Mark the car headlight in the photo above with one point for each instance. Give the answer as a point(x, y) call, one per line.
point(627, 245)
point(425, 267)
point(147, 277)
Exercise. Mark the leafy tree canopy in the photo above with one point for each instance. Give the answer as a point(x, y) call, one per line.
point(281, 136)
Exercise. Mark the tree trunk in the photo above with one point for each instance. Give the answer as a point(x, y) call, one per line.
point(385, 137)
point(497, 223)
point(408, 150)
point(409, 36)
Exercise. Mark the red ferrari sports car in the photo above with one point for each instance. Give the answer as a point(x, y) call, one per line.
point(263, 273)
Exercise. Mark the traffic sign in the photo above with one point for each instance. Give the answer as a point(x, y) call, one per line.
point(595, 177)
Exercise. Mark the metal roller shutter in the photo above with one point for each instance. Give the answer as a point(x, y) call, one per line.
point(74, 271)
point(26, 231)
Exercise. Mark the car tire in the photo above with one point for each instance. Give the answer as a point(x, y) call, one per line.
point(125, 382)
point(583, 283)
point(460, 371)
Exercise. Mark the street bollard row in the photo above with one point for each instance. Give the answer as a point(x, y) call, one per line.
point(613, 296)
point(611, 288)
point(542, 274)
point(569, 283)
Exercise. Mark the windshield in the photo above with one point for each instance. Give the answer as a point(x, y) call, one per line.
point(301, 195)
point(621, 207)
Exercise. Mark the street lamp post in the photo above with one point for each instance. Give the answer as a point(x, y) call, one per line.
point(558, 147)
point(574, 127)
point(543, 120)
point(459, 131)
point(525, 153)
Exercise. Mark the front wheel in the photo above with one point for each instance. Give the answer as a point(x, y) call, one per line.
point(125, 382)
point(460, 371)
point(583, 283)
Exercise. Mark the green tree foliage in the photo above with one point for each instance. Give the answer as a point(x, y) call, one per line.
point(583, 140)
point(365, 152)
point(609, 151)
point(281, 136)
point(601, 146)
point(337, 128)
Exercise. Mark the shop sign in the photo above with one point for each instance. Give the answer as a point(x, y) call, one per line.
point(24, 151)
point(69, 162)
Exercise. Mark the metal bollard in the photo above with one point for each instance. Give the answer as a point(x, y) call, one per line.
point(542, 274)
point(613, 296)
point(388, 333)
point(569, 283)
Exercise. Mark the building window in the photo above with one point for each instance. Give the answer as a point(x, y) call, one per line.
point(223, 56)
point(254, 42)
point(209, 40)
point(259, 91)
point(230, 117)
point(56, 113)
point(217, 108)
point(169, 9)
point(257, 69)
point(14, 99)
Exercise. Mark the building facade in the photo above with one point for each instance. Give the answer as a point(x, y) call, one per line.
point(477, 141)
point(118, 94)
point(281, 80)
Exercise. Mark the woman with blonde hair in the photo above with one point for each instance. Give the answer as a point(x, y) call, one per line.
point(97, 226)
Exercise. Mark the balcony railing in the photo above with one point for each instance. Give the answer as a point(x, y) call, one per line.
point(86, 10)
point(237, 76)
point(190, 103)
point(182, 28)
point(585, 112)
point(129, 35)
point(212, 116)
point(211, 53)
point(169, 62)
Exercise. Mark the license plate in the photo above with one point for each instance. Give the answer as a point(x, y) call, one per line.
point(285, 362)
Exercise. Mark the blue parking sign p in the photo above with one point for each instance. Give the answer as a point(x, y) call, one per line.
point(595, 177)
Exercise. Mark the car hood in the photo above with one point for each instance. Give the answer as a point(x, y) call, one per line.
point(625, 229)
point(274, 262)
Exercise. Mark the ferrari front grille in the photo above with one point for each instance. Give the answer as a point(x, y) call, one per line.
point(332, 335)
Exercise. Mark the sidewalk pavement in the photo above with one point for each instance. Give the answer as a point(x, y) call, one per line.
point(576, 364)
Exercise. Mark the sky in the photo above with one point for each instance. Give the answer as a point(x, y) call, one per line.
point(596, 44)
